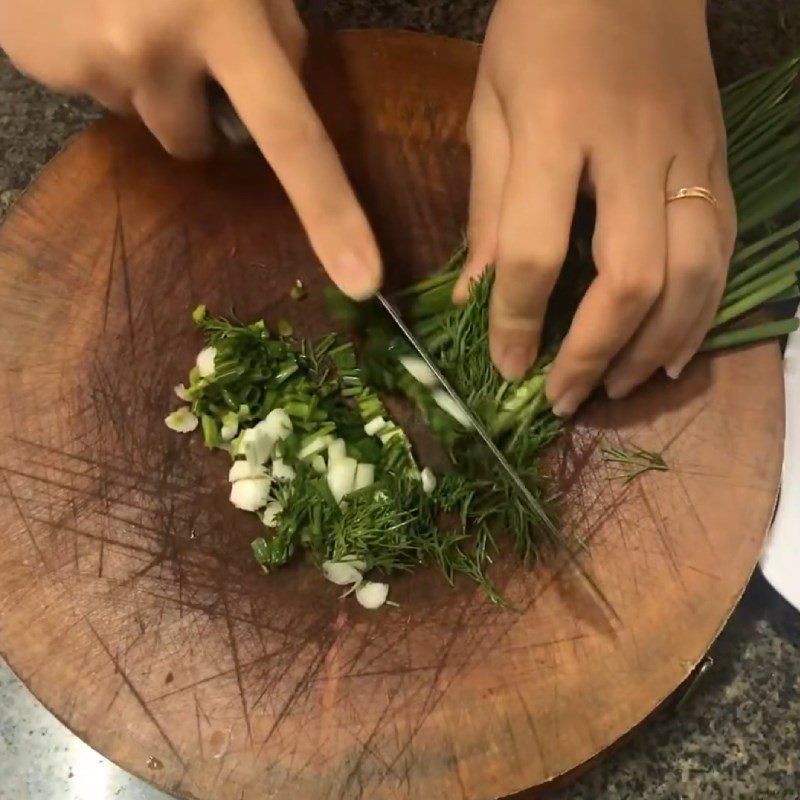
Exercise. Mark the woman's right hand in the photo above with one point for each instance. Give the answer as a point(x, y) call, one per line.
point(153, 57)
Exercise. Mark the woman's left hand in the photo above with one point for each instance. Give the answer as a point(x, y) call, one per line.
point(620, 97)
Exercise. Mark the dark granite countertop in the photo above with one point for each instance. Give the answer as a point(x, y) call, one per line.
point(737, 735)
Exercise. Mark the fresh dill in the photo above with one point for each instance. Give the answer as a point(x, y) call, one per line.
point(634, 462)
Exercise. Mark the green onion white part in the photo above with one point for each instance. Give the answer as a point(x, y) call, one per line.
point(315, 446)
point(447, 404)
point(240, 470)
point(183, 393)
point(182, 420)
point(257, 445)
point(337, 450)
point(342, 477)
point(419, 370)
point(365, 476)
point(281, 471)
point(342, 573)
point(428, 480)
point(230, 426)
point(272, 514)
point(372, 595)
point(250, 494)
point(278, 425)
point(205, 361)
point(318, 464)
point(375, 426)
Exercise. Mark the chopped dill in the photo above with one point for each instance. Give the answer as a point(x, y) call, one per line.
point(634, 462)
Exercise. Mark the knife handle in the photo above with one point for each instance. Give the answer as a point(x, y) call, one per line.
point(224, 117)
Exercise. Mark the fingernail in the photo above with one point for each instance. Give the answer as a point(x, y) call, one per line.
point(356, 277)
point(674, 371)
point(568, 403)
point(513, 361)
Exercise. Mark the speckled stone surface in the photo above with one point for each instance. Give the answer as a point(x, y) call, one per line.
point(737, 737)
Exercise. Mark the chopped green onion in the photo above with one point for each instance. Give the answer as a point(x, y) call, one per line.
point(298, 291)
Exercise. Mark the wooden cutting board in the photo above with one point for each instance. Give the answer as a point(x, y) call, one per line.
point(129, 603)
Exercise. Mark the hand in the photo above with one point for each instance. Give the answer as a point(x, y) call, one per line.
point(621, 97)
point(153, 56)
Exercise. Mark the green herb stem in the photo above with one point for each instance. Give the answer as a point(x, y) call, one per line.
point(750, 335)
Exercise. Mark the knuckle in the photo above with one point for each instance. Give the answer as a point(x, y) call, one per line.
point(710, 259)
point(583, 366)
point(697, 272)
point(668, 118)
point(630, 281)
point(548, 117)
point(657, 113)
point(553, 107)
point(125, 45)
point(635, 287)
point(521, 269)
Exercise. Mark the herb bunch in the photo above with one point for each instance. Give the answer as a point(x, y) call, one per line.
point(397, 521)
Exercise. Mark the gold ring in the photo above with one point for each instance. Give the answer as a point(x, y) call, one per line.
point(699, 192)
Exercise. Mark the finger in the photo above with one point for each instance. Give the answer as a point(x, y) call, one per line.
point(692, 342)
point(490, 152)
point(630, 253)
point(533, 237)
point(175, 109)
point(116, 101)
point(289, 30)
point(243, 56)
point(694, 272)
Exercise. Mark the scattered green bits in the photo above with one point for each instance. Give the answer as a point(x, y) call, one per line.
point(298, 290)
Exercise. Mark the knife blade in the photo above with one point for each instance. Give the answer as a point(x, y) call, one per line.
point(468, 413)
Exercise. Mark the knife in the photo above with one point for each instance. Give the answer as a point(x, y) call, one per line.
point(475, 422)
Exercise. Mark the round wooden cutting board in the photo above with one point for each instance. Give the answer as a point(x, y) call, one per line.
point(129, 602)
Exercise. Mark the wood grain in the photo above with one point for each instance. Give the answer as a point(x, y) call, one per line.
point(129, 603)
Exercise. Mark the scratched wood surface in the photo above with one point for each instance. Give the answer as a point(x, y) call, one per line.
point(129, 603)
